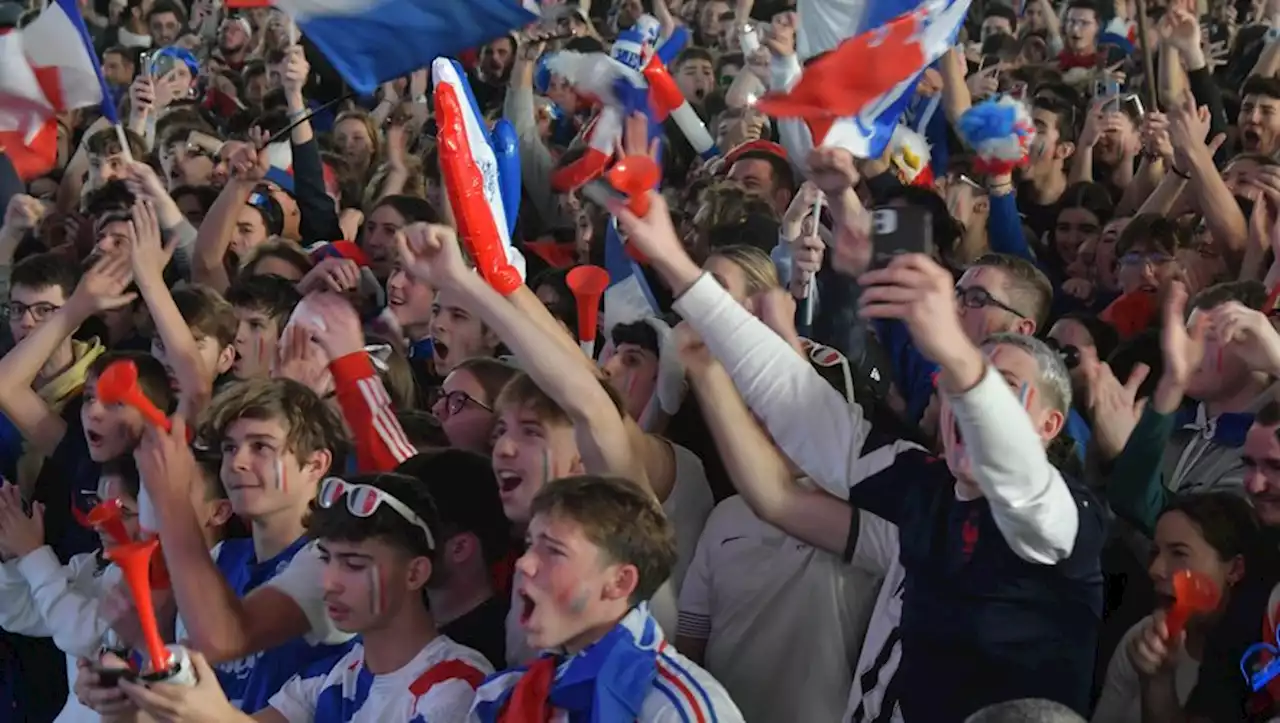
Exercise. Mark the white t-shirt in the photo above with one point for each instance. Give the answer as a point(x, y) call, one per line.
point(1121, 700)
point(688, 506)
point(783, 620)
point(438, 685)
point(301, 581)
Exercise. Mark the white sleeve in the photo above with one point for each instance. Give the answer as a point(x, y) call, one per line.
point(296, 699)
point(1121, 691)
point(1029, 500)
point(18, 611)
point(301, 582)
point(695, 595)
point(66, 599)
point(809, 420)
point(447, 702)
point(877, 545)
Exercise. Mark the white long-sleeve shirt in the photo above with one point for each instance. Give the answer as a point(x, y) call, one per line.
point(824, 434)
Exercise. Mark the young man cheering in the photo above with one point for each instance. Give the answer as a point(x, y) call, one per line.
point(598, 548)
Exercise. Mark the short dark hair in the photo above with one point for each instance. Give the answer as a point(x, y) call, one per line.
point(167, 6)
point(204, 195)
point(565, 307)
point(639, 333)
point(1084, 5)
point(153, 380)
point(465, 491)
point(1249, 293)
point(207, 313)
point(271, 295)
point(105, 143)
point(124, 468)
point(1265, 86)
point(735, 58)
point(997, 10)
point(423, 429)
point(1029, 289)
point(1064, 112)
point(782, 173)
point(620, 517)
point(337, 523)
point(693, 52)
point(45, 270)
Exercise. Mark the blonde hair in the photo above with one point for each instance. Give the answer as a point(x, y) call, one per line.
point(757, 267)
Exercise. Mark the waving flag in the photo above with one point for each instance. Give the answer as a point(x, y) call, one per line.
point(628, 297)
point(46, 68)
point(372, 41)
point(859, 111)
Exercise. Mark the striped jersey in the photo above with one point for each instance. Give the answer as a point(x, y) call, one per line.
point(437, 686)
point(682, 692)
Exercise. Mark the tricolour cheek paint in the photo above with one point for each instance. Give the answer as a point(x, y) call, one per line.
point(282, 479)
point(1026, 395)
point(546, 466)
point(375, 590)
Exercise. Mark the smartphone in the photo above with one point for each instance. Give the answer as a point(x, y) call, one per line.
point(896, 231)
point(601, 193)
point(1133, 101)
point(144, 63)
point(988, 61)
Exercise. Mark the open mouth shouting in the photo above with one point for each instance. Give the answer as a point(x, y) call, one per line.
point(508, 481)
point(527, 605)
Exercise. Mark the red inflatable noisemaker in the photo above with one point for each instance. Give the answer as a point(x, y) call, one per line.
point(134, 560)
point(118, 384)
point(108, 517)
point(587, 284)
point(1193, 594)
point(635, 176)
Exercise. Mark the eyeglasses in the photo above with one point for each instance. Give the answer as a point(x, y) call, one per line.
point(456, 401)
point(364, 500)
point(976, 297)
point(39, 311)
point(1155, 259)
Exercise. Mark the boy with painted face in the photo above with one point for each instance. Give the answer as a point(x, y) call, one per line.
point(1003, 586)
point(278, 440)
point(377, 535)
point(598, 547)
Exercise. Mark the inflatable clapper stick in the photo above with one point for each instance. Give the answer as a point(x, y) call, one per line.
point(587, 284)
point(118, 384)
point(1193, 594)
point(108, 517)
point(635, 176)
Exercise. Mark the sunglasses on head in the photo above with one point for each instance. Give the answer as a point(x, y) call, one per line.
point(364, 500)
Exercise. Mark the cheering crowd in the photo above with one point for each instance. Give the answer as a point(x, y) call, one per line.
point(493, 396)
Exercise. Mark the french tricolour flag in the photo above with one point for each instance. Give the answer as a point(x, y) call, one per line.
point(899, 39)
point(46, 68)
point(628, 297)
point(372, 41)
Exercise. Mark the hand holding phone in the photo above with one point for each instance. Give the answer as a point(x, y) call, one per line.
point(896, 231)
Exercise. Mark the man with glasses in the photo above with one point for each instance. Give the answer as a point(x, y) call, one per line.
point(40, 285)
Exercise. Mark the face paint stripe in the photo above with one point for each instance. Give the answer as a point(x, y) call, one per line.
point(375, 590)
point(281, 481)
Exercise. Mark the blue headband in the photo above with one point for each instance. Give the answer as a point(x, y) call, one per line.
point(173, 51)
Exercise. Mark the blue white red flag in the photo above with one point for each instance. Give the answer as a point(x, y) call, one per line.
point(628, 297)
point(859, 111)
point(46, 68)
point(372, 41)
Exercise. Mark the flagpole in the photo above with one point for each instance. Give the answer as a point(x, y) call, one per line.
point(1148, 67)
point(124, 142)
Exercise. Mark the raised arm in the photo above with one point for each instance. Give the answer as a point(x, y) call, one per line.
point(773, 379)
point(431, 254)
point(195, 383)
point(1030, 501)
point(219, 624)
point(758, 471)
point(101, 288)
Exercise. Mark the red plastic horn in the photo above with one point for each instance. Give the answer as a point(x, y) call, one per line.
point(134, 560)
point(635, 176)
point(1193, 594)
point(118, 384)
point(108, 517)
point(587, 284)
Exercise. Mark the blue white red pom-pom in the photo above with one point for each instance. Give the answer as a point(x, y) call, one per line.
point(1000, 132)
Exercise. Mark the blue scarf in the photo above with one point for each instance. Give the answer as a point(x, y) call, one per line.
point(606, 683)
